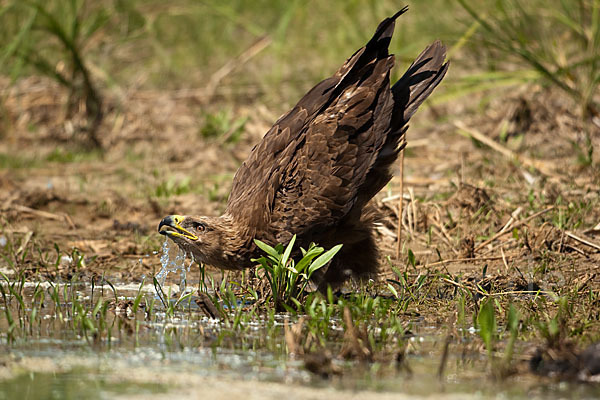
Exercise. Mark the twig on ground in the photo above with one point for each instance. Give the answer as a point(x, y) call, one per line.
point(472, 259)
point(42, 214)
point(24, 243)
point(504, 259)
point(518, 224)
point(525, 161)
point(487, 294)
point(512, 219)
point(399, 233)
point(581, 240)
point(413, 208)
point(577, 250)
point(409, 221)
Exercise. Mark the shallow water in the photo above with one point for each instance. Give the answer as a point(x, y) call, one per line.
point(76, 384)
point(185, 354)
point(61, 369)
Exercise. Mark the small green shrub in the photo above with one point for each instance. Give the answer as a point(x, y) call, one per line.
point(287, 278)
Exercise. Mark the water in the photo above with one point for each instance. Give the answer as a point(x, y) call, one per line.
point(77, 384)
point(173, 261)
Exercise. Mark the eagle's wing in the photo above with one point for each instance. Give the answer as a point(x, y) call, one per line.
point(309, 170)
point(326, 168)
point(259, 178)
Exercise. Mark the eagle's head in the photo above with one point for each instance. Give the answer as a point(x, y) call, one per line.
point(208, 239)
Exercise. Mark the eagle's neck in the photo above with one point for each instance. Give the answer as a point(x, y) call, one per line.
point(236, 244)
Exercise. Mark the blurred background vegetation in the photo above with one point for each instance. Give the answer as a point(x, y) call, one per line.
point(182, 44)
point(231, 52)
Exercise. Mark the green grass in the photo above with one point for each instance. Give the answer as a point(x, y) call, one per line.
point(187, 44)
point(372, 323)
point(12, 162)
point(181, 46)
point(223, 126)
point(555, 43)
point(560, 40)
point(173, 187)
point(67, 156)
point(100, 45)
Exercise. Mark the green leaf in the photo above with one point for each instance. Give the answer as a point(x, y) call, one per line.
point(323, 259)
point(411, 258)
point(97, 307)
point(393, 290)
point(267, 249)
point(14, 45)
point(296, 303)
point(292, 268)
point(98, 21)
point(262, 261)
point(486, 319)
point(288, 251)
point(553, 328)
point(308, 257)
point(329, 294)
point(513, 319)
point(182, 299)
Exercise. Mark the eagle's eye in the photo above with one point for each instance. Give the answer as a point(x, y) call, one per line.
point(199, 226)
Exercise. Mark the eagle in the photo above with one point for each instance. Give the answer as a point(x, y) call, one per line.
point(315, 171)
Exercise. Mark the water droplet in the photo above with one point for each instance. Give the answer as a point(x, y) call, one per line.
point(66, 260)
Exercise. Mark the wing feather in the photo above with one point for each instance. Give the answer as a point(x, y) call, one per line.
point(331, 152)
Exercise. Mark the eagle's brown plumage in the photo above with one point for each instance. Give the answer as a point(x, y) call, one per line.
point(316, 169)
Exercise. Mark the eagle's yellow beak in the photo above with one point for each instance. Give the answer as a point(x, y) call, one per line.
point(174, 222)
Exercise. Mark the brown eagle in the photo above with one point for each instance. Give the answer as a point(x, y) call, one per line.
point(315, 171)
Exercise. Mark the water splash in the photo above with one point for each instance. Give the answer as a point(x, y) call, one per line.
point(174, 263)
